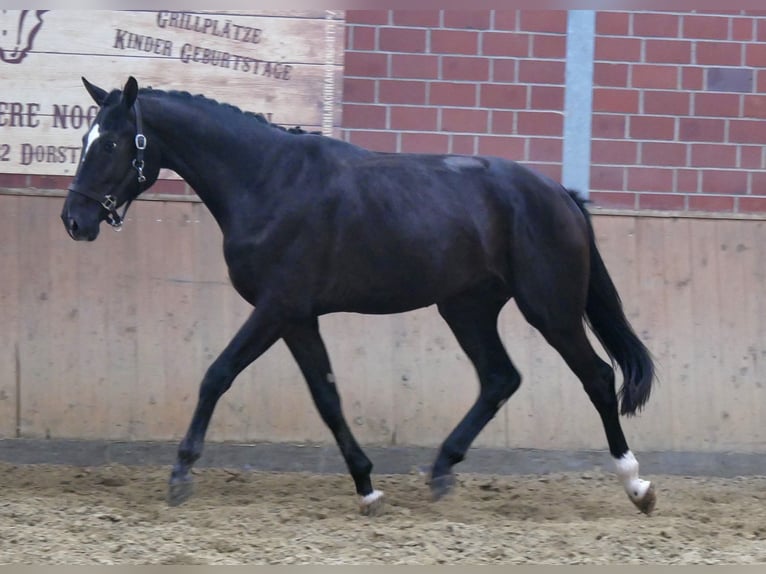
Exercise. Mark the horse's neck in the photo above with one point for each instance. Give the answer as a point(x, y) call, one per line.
point(203, 153)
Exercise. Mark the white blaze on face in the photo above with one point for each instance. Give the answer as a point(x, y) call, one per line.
point(93, 134)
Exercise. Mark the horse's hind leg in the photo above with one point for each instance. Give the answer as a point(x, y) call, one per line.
point(554, 307)
point(473, 319)
point(306, 345)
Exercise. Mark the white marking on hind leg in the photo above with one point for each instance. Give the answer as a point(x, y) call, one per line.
point(627, 470)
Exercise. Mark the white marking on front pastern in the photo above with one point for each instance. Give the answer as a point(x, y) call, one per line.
point(93, 135)
point(627, 470)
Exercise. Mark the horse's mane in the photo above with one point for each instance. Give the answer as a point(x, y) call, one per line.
point(257, 116)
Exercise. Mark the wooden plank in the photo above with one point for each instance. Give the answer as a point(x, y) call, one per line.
point(283, 74)
point(10, 248)
point(35, 289)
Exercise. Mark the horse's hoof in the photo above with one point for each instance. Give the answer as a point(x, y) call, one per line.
point(646, 504)
point(372, 504)
point(441, 486)
point(179, 490)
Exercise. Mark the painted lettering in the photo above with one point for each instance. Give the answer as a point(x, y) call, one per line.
point(48, 154)
point(125, 40)
point(19, 114)
point(75, 116)
point(210, 26)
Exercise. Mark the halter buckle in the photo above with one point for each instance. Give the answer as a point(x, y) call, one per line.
point(140, 141)
point(109, 203)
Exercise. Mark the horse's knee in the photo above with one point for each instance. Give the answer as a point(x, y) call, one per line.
point(500, 386)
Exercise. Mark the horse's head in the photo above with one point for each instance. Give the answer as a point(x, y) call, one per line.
point(117, 163)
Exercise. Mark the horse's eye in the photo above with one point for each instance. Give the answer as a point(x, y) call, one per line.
point(110, 145)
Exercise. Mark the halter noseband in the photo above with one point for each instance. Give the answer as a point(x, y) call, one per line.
point(109, 202)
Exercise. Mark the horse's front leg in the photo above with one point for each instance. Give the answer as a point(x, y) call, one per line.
point(258, 333)
point(306, 345)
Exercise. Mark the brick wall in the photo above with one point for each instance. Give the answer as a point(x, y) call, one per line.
point(678, 104)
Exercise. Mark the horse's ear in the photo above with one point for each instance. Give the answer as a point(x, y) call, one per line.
point(130, 92)
point(95, 92)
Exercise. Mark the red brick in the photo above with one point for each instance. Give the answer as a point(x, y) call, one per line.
point(652, 128)
point(544, 21)
point(373, 65)
point(615, 100)
point(377, 141)
point(611, 75)
point(541, 72)
point(503, 70)
point(742, 29)
point(375, 17)
point(747, 131)
point(413, 118)
point(14, 180)
point(612, 23)
point(664, 201)
point(692, 78)
point(422, 18)
point(503, 122)
point(752, 204)
point(424, 143)
point(549, 46)
point(414, 66)
point(714, 155)
point(607, 177)
point(718, 54)
point(58, 182)
point(614, 152)
point(547, 98)
point(716, 105)
point(720, 182)
point(656, 25)
point(552, 170)
point(452, 94)
point(668, 52)
point(470, 19)
point(713, 203)
point(654, 76)
point(666, 103)
point(687, 180)
point(545, 149)
point(505, 44)
point(609, 126)
point(170, 187)
point(402, 40)
point(502, 146)
point(465, 68)
point(755, 106)
point(706, 27)
point(761, 81)
point(363, 116)
point(462, 144)
point(670, 154)
point(614, 200)
point(454, 42)
point(401, 92)
point(750, 157)
point(698, 129)
point(540, 123)
point(758, 184)
point(503, 96)
point(363, 37)
point(755, 55)
point(506, 20)
point(358, 90)
point(617, 49)
point(464, 120)
point(760, 32)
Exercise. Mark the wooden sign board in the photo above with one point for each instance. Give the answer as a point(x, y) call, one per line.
point(287, 65)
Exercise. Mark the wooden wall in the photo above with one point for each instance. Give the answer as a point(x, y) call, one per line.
point(110, 339)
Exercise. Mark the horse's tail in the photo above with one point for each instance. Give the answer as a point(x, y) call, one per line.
point(605, 315)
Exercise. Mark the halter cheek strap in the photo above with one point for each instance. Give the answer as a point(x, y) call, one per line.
point(109, 202)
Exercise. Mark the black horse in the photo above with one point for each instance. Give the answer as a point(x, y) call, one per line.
point(313, 225)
